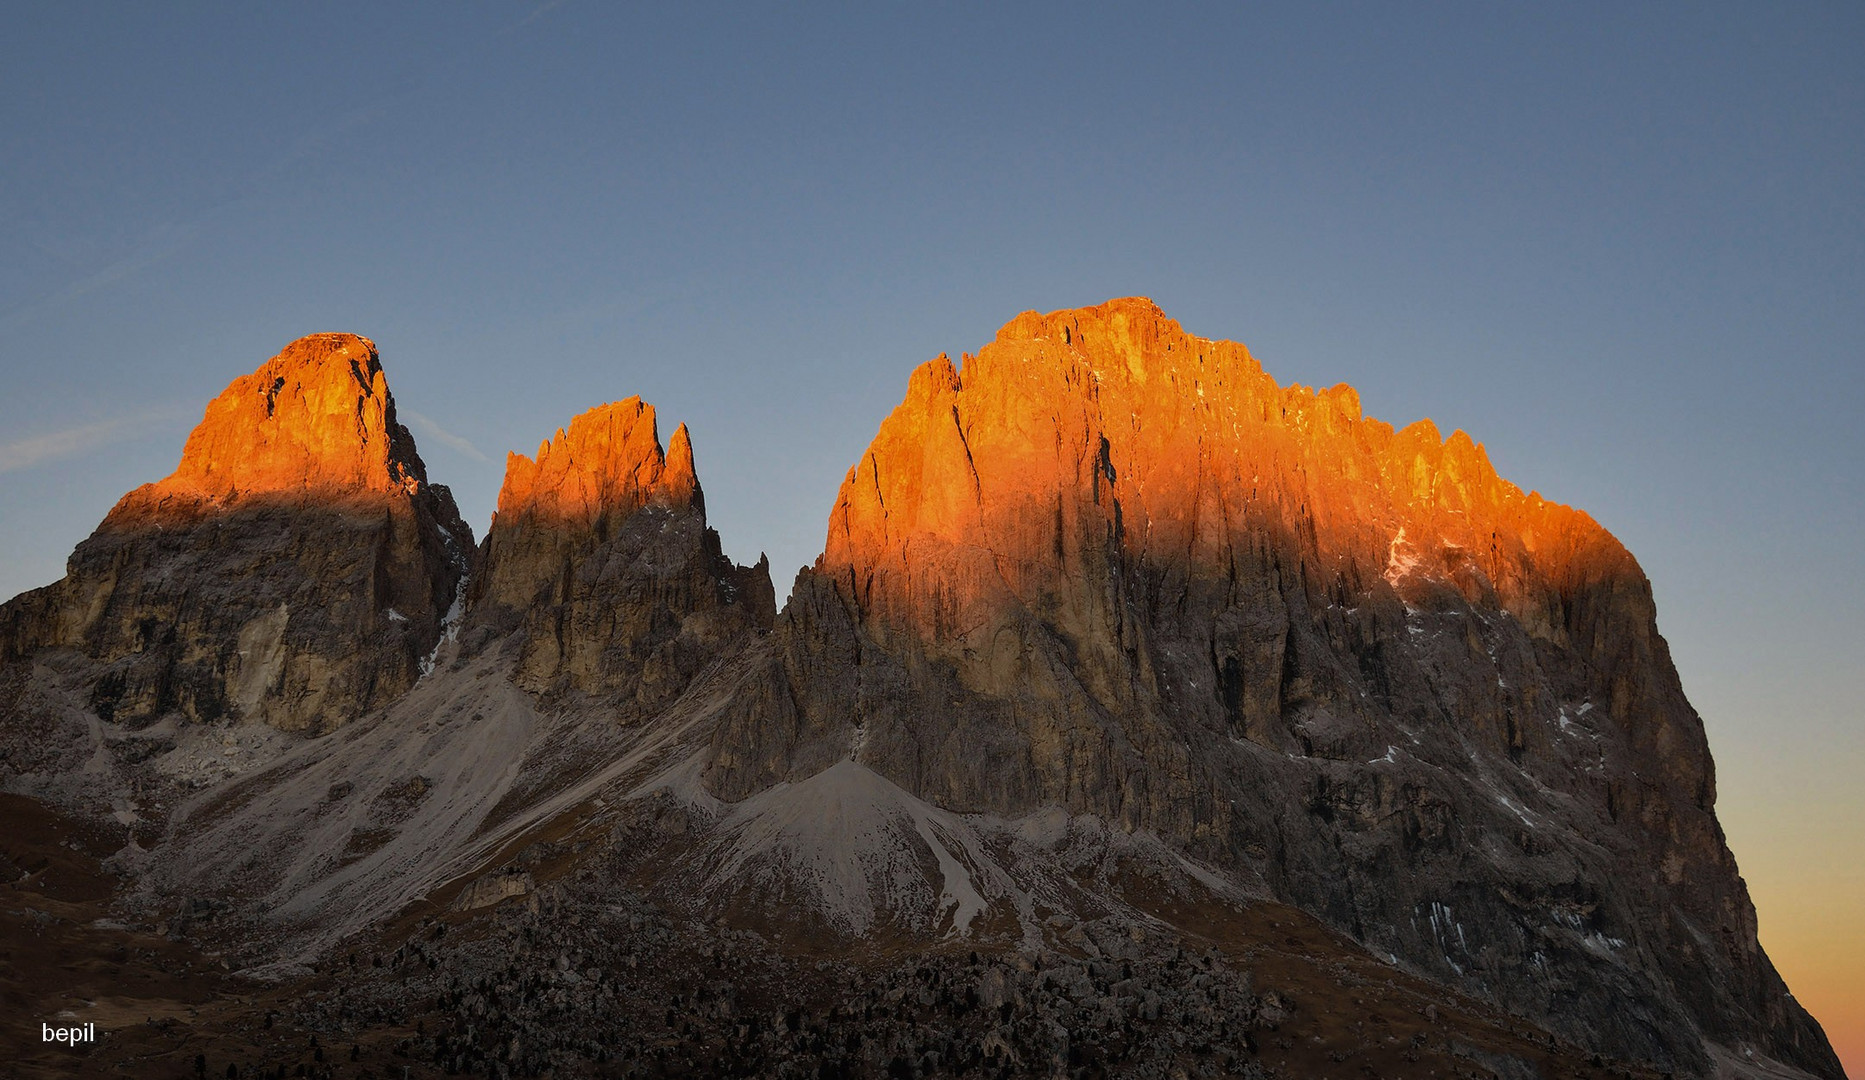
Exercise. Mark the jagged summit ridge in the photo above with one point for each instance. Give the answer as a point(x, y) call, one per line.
point(314, 423)
point(1112, 424)
point(608, 462)
point(600, 569)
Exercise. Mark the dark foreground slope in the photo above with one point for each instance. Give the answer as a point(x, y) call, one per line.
point(584, 975)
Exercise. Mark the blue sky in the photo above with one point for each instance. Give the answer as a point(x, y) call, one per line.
point(1622, 245)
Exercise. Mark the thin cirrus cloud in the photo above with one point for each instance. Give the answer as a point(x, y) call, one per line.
point(457, 443)
point(37, 450)
point(162, 243)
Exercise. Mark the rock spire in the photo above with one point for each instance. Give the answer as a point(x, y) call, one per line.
point(606, 465)
point(600, 558)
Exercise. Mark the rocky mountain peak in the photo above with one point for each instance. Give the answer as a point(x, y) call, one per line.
point(600, 563)
point(1081, 433)
point(1112, 567)
point(315, 422)
point(294, 568)
point(607, 464)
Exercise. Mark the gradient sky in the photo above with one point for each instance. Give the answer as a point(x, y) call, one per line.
point(1625, 249)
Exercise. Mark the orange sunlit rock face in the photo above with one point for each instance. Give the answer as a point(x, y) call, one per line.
point(1108, 432)
point(313, 424)
point(600, 559)
point(584, 483)
point(607, 462)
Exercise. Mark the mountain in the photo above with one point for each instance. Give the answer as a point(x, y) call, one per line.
point(600, 552)
point(289, 576)
point(1115, 568)
point(1140, 715)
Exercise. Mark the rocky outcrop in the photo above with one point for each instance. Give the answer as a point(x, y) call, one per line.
point(1112, 637)
point(602, 624)
point(294, 569)
point(1113, 567)
point(600, 569)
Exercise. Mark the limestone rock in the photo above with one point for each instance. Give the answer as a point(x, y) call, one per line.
point(600, 561)
point(314, 425)
point(294, 569)
point(1113, 640)
point(492, 889)
point(1113, 567)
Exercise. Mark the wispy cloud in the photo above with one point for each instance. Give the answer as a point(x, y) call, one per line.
point(540, 12)
point(168, 239)
point(441, 435)
point(38, 450)
point(163, 242)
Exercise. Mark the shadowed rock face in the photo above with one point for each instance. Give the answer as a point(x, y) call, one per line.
point(1115, 567)
point(600, 559)
point(599, 599)
point(295, 568)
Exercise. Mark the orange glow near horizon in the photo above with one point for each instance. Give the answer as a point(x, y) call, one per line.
point(1821, 966)
point(1808, 904)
